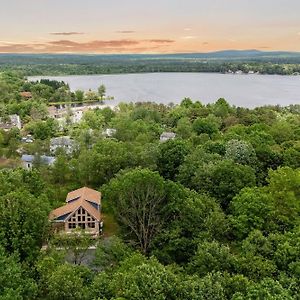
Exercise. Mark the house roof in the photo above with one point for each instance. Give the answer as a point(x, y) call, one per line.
point(86, 194)
point(61, 141)
point(26, 94)
point(84, 197)
point(45, 159)
point(168, 135)
point(13, 121)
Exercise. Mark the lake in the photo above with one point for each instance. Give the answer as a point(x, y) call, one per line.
point(240, 90)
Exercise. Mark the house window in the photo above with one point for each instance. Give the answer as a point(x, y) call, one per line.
point(82, 225)
point(83, 218)
point(91, 225)
point(72, 225)
point(79, 218)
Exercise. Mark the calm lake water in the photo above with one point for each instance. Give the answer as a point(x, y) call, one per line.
point(240, 90)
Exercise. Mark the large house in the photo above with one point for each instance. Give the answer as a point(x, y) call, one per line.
point(82, 210)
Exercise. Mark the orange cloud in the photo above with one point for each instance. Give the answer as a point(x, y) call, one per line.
point(126, 31)
point(67, 33)
point(161, 41)
point(96, 46)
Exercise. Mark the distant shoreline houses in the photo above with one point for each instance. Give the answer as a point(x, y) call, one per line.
point(73, 112)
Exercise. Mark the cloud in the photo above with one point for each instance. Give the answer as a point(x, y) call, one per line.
point(264, 47)
point(67, 33)
point(160, 41)
point(205, 43)
point(187, 29)
point(125, 31)
point(189, 37)
point(95, 46)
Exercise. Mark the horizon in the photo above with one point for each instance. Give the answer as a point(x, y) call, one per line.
point(154, 54)
point(138, 27)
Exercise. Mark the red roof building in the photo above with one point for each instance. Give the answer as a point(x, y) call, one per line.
point(26, 95)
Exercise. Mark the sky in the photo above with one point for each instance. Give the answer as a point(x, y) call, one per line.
point(148, 26)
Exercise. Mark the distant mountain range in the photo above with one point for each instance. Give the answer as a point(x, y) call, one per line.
point(239, 54)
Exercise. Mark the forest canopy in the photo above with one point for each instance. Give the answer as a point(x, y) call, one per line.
point(211, 213)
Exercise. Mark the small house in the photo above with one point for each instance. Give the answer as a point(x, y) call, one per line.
point(165, 136)
point(63, 142)
point(26, 95)
point(82, 210)
point(12, 121)
point(109, 132)
point(28, 139)
point(29, 160)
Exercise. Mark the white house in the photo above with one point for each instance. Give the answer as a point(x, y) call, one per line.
point(165, 136)
point(29, 160)
point(63, 142)
point(109, 132)
point(11, 122)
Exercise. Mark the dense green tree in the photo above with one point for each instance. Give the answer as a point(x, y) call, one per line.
point(93, 120)
point(144, 279)
point(188, 219)
point(267, 289)
point(223, 180)
point(206, 125)
point(240, 152)
point(193, 161)
point(14, 283)
point(291, 157)
point(65, 282)
point(42, 129)
point(23, 223)
point(138, 197)
point(284, 187)
point(212, 257)
point(102, 92)
point(252, 209)
point(184, 128)
point(221, 108)
point(171, 155)
point(99, 164)
point(79, 95)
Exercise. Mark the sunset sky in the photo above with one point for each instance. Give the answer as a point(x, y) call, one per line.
point(155, 26)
